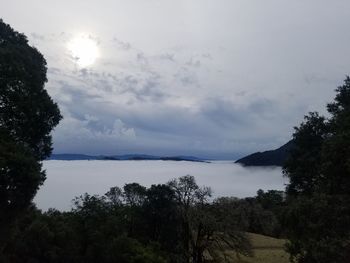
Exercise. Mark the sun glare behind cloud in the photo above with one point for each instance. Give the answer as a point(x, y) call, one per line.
point(84, 50)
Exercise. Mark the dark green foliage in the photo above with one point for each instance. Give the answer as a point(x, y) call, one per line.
point(112, 228)
point(134, 194)
point(336, 152)
point(274, 205)
point(163, 221)
point(78, 236)
point(26, 110)
point(206, 230)
point(251, 215)
point(318, 214)
point(218, 230)
point(27, 116)
point(189, 196)
point(115, 195)
point(20, 175)
point(304, 164)
point(318, 229)
point(271, 200)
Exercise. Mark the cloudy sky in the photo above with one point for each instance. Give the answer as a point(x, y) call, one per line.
point(213, 78)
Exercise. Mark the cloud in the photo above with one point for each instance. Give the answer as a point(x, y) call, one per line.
point(186, 77)
point(141, 58)
point(37, 36)
point(193, 85)
point(146, 107)
point(86, 132)
point(122, 44)
point(193, 62)
point(167, 56)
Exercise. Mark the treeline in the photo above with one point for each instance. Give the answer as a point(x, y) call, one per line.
point(173, 222)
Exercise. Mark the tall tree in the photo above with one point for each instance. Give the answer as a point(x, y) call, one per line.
point(27, 116)
point(208, 231)
point(187, 195)
point(318, 217)
point(303, 167)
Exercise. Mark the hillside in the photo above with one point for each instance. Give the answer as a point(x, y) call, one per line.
point(275, 157)
point(266, 250)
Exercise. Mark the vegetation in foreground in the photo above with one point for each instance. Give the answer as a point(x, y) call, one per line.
point(317, 218)
point(174, 222)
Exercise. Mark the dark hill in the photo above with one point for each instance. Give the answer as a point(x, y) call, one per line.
point(268, 158)
point(71, 157)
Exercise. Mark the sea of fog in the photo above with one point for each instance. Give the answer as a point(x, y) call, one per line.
point(67, 179)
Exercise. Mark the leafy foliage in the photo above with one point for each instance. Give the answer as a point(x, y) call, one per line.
point(27, 112)
point(318, 194)
point(27, 116)
point(112, 228)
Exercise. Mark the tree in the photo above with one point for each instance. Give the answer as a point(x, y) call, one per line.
point(27, 116)
point(317, 228)
point(336, 149)
point(187, 195)
point(317, 218)
point(134, 194)
point(115, 195)
point(163, 221)
point(206, 229)
point(20, 177)
point(273, 205)
point(91, 232)
point(303, 165)
point(26, 110)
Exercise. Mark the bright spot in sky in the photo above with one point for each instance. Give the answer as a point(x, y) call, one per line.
point(84, 50)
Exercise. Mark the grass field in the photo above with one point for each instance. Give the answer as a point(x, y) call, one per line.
point(266, 250)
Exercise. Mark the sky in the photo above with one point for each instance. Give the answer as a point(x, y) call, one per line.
point(211, 78)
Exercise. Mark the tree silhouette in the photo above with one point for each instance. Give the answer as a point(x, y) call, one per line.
point(318, 214)
point(27, 116)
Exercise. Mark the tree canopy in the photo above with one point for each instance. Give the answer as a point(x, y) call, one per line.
point(159, 227)
point(27, 117)
point(27, 112)
point(318, 213)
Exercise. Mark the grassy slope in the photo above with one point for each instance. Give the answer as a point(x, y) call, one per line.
point(266, 250)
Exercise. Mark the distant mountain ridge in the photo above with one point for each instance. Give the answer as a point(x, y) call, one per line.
point(275, 157)
point(126, 157)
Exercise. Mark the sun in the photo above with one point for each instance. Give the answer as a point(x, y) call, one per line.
point(84, 50)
